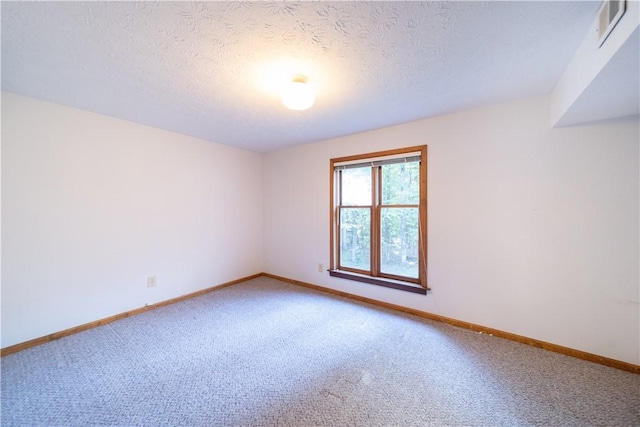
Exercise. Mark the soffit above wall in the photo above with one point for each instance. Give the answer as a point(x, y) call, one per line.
point(213, 69)
point(602, 80)
point(614, 92)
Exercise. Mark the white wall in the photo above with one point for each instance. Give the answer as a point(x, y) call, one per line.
point(532, 230)
point(92, 205)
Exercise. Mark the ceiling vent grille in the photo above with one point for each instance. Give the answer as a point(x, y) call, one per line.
point(609, 15)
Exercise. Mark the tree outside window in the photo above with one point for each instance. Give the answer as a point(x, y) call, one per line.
point(378, 217)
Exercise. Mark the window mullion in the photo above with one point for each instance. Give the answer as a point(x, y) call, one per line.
point(372, 232)
point(337, 219)
point(375, 220)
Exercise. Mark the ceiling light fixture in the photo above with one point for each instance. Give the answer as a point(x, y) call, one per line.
point(298, 94)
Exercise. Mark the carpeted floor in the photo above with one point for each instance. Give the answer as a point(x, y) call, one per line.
point(267, 353)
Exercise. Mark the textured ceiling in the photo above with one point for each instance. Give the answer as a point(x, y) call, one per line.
point(213, 69)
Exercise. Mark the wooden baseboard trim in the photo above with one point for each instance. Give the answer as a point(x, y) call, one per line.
point(57, 335)
point(613, 363)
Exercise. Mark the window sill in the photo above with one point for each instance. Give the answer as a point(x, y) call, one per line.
point(380, 281)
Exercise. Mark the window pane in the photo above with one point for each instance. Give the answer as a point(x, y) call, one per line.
point(401, 184)
point(355, 238)
point(356, 187)
point(399, 241)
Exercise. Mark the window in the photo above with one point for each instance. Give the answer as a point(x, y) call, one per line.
point(379, 218)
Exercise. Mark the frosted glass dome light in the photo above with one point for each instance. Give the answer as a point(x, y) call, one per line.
point(298, 95)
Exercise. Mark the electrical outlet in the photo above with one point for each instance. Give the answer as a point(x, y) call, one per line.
point(320, 268)
point(151, 281)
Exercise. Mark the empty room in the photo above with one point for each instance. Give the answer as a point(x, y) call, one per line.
point(421, 213)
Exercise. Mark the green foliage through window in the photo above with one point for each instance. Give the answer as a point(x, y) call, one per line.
point(379, 213)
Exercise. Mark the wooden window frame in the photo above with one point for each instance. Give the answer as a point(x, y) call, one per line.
point(374, 276)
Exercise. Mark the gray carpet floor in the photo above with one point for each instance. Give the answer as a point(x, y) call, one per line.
point(267, 353)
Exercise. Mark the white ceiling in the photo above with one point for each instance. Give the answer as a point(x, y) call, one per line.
point(213, 69)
